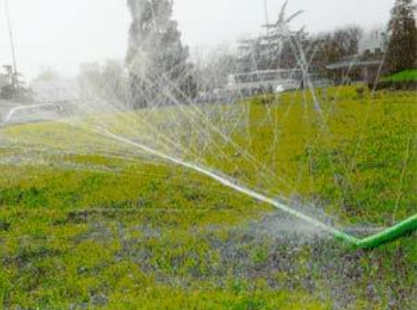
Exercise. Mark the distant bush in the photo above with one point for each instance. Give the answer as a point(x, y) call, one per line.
point(266, 99)
point(406, 85)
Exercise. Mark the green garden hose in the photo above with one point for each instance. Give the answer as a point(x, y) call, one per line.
point(389, 235)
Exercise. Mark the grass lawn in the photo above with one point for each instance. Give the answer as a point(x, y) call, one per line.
point(87, 223)
point(403, 76)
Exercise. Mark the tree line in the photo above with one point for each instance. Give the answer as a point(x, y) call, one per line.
point(158, 70)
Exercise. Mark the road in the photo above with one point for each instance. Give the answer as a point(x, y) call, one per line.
point(20, 113)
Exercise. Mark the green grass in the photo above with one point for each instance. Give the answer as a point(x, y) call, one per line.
point(403, 76)
point(88, 223)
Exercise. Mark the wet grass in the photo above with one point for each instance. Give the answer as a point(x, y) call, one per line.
point(99, 226)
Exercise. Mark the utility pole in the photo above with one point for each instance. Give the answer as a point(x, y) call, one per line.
point(266, 15)
point(268, 38)
point(12, 45)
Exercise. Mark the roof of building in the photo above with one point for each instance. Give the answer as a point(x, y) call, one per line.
point(351, 63)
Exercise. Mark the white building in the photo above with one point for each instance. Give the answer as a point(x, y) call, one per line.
point(55, 90)
point(265, 81)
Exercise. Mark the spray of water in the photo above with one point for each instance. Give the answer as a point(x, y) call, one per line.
point(152, 106)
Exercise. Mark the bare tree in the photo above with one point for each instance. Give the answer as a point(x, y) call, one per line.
point(214, 68)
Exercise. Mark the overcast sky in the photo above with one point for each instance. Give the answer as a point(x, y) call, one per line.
point(63, 33)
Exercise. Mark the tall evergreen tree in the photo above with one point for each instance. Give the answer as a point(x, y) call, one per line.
point(402, 47)
point(156, 58)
